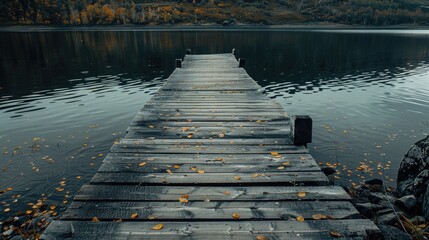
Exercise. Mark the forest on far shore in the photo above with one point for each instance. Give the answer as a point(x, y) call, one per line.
point(226, 12)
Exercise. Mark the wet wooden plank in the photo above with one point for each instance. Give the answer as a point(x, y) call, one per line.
point(218, 158)
point(207, 132)
point(197, 211)
point(311, 229)
point(197, 149)
point(201, 193)
point(213, 179)
point(210, 167)
point(219, 140)
point(198, 124)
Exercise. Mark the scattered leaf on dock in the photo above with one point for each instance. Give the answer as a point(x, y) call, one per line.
point(142, 164)
point(134, 215)
point(95, 220)
point(300, 219)
point(158, 227)
point(237, 177)
point(235, 215)
point(301, 194)
point(335, 234)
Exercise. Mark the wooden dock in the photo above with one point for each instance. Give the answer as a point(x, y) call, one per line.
point(211, 157)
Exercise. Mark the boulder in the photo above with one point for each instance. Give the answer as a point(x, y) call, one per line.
point(368, 209)
point(408, 203)
point(392, 233)
point(413, 173)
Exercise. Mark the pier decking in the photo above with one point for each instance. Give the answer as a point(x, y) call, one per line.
point(210, 157)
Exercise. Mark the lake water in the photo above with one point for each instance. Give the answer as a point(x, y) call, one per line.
point(65, 97)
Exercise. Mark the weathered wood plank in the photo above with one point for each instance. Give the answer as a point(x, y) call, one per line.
point(197, 149)
point(136, 158)
point(198, 124)
point(208, 210)
point(214, 179)
point(219, 140)
point(311, 229)
point(207, 132)
point(211, 167)
point(201, 193)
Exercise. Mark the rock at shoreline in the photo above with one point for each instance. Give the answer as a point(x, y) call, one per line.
point(408, 203)
point(413, 172)
point(392, 233)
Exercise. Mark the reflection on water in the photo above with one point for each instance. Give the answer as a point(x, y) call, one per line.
point(65, 97)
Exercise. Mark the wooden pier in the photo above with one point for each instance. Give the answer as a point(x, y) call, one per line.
point(211, 157)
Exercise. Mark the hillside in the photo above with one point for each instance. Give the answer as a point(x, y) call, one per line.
point(227, 12)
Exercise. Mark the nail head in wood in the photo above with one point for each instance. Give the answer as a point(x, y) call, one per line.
point(188, 51)
point(241, 62)
point(178, 63)
point(302, 127)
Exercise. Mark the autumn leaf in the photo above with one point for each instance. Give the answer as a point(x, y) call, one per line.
point(169, 171)
point(237, 177)
point(95, 220)
point(9, 189)
point(255, 175)
point(193, 168)
point(201, 171)
point(300, 219)
point(260, 237)
point(29, 212)
point(7, 210)
point(335, 234)
point(226, 193)
point(100, 155)
point(221, 135)
point(274, 153)
point(281, 167)
point(158, 227)
point(285, 163)
point(142, 164)
point(301, 194)
point(184, 198)
point(235, 215)
point(176, 166)
point(152, 217)
point(134, 215)
point(219, 159)
point(52, 207)
point(190, 135)
point(319, 216)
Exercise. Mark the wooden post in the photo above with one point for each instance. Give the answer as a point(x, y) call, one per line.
point(302, 126)
point(178, 63)
point(233, 52)
point(188, 51)
point(241, 62)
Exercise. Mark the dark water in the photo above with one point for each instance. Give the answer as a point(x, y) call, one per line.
point(65, 97)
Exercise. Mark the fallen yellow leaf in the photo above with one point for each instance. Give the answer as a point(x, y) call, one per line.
point(169, 171)
point(134, 215)
point(237, 177)
point(301, 194)
point(235, 215)
point(7, 210)
point(142, 164)
point(221, 135)
point(319, 216)
point(255, 175)
point(285, 163)
point(260, 237)
point(281, 167)
point(335, 234)
point(193, 168)
point(176, 166)
point(95, 220)
point(190, 135)
point(184, 198)
point(9, 189)
point(201, 171)
point(29, 212)
point(226, 193)
point(274, 153)
point(158, 227)
point(152, 217)
point(52, 207)
point(300, 219)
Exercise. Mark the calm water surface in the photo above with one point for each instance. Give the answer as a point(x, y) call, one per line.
point(65, 97)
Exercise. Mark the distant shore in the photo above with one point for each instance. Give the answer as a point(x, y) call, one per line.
point(208, 27)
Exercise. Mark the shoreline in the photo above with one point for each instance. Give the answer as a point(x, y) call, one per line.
point(209, 27)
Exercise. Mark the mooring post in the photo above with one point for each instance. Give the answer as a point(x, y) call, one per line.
point(241, 62)
point(188, 51)
point(233, 52)
point(302, 126)
point(178, 63)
